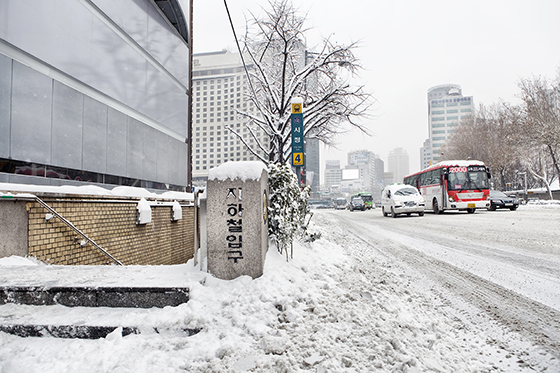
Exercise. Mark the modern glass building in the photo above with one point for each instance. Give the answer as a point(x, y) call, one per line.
point(95, 91)
point(446, 107)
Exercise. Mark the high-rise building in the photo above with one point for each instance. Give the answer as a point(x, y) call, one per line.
point(220, 89)
point(313, 166)
point(426, 154)
point(95, 91)
point(446, 107)
point(333, 174)
point(398, 164)
point(365, 161)
point(379, 178)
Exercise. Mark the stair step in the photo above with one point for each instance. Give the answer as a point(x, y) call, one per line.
point(80, 331)
point(125, 297)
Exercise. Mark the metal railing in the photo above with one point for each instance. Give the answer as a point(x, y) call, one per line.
point(73, 227)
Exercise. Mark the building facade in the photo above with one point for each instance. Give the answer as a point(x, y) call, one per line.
point(333, 175)
point(398, 164)
point(220, 88)
point(426, 154)
point(446, 107)
point(365, 161)
point(313, 166)
point(94, 91)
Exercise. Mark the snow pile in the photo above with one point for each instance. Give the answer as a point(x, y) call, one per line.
point(251, 170)
point(542, 203)
point(120, 191)
point(177, 211)
point(144, 212)
point(19, 261)
point(338, 306)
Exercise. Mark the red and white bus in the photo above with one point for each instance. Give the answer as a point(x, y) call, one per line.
point(453, 185)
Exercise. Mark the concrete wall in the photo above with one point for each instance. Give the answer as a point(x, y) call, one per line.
point(13, 228)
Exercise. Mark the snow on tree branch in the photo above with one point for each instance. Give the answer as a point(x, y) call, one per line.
point(282, 68)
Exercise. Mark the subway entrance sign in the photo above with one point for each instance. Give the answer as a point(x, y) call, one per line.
point(298, 149)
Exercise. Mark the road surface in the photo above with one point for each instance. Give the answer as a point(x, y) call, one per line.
point(504, 265)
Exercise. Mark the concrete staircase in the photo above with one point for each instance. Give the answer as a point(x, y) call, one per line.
point(86, 299)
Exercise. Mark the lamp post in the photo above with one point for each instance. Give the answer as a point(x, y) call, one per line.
point(525, 184)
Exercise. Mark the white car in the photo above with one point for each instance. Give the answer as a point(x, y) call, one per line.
point(401, 199)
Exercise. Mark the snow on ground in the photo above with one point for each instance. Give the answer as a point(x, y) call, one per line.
point(337, 306)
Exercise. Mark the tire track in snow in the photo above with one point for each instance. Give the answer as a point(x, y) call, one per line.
point(533, 320)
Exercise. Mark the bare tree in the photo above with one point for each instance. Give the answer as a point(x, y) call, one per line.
point(533, 156)
point(486, 135)
point(511, 138)
point(541, 117)
point(282, 69)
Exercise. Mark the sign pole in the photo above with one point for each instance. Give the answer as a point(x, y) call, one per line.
point(298, 146)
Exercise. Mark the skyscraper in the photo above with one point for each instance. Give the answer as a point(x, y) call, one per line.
point(364, 160)
point(446, 107)
point(398, 164)
point(333, 174)
point(426, 154)
point(219, 90)
point(313, 166)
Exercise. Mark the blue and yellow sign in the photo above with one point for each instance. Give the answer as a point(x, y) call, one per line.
point(298, 151)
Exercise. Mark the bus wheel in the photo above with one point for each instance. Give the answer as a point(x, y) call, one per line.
point(471, 211)
point(436, 207)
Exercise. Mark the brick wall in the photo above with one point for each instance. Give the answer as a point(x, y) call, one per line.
point(112, 225)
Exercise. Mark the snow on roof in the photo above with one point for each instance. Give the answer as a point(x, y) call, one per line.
point(460, 163)
point(92, 190)
point(397, 186)
point(251, 170)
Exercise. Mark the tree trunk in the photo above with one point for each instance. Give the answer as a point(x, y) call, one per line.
point(554, 161)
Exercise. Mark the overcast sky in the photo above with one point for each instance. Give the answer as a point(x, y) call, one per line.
point(408, 46)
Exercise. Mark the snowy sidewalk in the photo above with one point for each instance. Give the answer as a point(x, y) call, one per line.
point(338, 306)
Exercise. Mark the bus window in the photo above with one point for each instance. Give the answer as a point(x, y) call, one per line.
point(424, 179)
point(468, 180)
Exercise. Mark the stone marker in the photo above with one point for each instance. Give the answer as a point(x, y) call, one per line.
point(237, 233)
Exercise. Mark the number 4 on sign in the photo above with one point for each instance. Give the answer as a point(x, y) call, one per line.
point(298, 159)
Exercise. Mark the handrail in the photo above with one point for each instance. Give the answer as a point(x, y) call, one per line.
point(69, 224)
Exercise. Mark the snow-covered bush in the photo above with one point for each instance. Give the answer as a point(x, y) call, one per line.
point(288, 206)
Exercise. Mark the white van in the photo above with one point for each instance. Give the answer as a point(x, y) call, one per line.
point(401, 199)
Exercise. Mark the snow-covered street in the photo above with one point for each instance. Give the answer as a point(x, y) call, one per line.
point(441, 293)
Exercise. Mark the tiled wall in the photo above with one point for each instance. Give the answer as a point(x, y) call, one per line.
point(112, 225)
